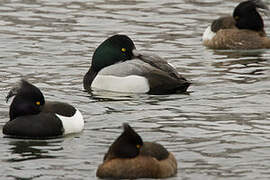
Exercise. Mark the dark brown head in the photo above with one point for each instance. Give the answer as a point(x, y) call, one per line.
point(247, 16)
point(127, 145)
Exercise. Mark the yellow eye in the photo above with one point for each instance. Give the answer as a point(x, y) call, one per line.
point(138, 146)
point(38, 103)
point(236, 17)
point(123, 49)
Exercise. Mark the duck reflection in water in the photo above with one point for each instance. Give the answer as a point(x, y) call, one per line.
point(22, 150)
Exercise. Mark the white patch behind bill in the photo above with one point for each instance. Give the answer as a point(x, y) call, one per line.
point(208, 34)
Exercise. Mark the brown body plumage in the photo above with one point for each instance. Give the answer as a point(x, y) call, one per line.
point(149, 160)
point(243, 30)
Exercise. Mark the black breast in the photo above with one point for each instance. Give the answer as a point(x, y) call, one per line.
point(42, 125)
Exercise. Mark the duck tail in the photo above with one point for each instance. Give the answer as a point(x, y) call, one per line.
point(183, 85)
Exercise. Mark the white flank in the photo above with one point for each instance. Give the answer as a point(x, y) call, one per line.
point(208, 34)
point(72, 124)
point(128, 84)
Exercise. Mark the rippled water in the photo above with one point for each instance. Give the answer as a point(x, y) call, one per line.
point(221, 130)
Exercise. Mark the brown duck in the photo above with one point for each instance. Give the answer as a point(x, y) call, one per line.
point(130, 158)
point(243, 30)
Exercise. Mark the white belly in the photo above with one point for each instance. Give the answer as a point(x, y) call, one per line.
point(128, 84)
point(208, 34)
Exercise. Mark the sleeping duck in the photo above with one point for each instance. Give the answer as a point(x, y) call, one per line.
point(243, 30)
point(33, 117)
point(118, 66)
point(130, 158)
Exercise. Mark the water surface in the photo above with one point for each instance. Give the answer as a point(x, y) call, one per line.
point(220, 130)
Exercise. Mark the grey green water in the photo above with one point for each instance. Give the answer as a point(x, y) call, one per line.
point(221, 130)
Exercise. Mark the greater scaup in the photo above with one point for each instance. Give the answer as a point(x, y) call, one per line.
point(118, 66)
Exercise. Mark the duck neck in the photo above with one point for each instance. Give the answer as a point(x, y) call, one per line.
point(88, 78)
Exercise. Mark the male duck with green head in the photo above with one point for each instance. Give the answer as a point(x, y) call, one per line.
point(118, 66)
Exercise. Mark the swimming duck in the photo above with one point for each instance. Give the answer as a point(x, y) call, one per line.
point(130, 158)
point(243, 30)
point(118, 66)
point(33, 117)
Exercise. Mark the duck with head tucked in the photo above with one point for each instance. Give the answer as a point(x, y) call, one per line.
point(33, 117)
point(130, 158)
point(118, 66)
point(243, 30)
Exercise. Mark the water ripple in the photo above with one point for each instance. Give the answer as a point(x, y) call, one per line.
point(219, 130)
